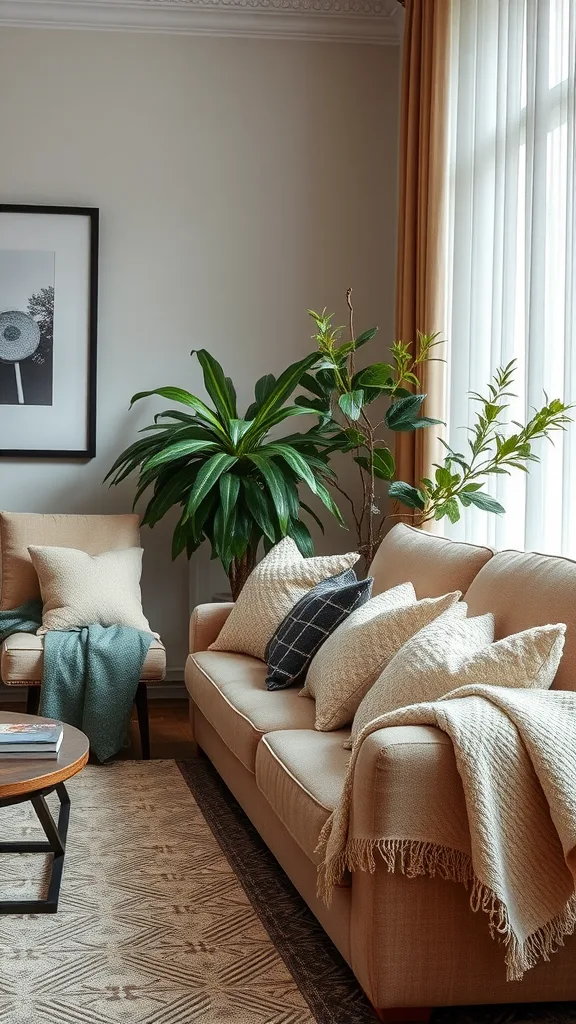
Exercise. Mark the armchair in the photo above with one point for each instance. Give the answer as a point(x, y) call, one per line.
point(22, 654)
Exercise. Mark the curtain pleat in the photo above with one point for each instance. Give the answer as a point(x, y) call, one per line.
point(421, 237)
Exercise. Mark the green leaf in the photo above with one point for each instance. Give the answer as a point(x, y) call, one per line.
point(287, 382)
point(260, 507)
point(178, 451)
point(216, 386)
point(448, 508)
point(374, 376)
point(208, 476)
point(351, 403)
point(264, 387)
point(275, 483)
point(425, 421)
point(320, 405)
point(485, 502)
point(312, 513)
point(301, 534)
point(311, 383)
point(403, 413)
point(295, 460)
point(383, 463)
point(179, 395)
point(327, 500)
point(366, 336)
point(229, 485)
point(406, 494)
point(237, 429)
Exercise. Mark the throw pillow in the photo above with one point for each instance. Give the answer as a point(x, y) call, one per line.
point(270, 592)
point(309, 624)
point(448, 654)
point(79, 589)
point(354, 656)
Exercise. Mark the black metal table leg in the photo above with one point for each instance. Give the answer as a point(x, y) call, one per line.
point(56, 834)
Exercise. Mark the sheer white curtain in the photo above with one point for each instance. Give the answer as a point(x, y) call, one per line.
point(511, 290)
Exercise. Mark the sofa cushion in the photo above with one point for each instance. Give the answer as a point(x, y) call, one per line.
point(524, 589)
point(230, 691)
point(88, 533)
point(22, 660)
point(301, 774)
point(433, 564)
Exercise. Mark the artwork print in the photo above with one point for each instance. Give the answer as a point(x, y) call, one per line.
point(26, 326)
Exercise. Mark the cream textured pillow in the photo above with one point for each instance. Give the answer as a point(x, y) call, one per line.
point(354, 655)
point(270, 592)
point(448, 654)
point(79, 589)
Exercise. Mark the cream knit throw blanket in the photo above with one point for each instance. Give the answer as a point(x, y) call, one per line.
point(516, 756)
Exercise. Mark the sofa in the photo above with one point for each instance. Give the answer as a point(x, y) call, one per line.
point(413, 943)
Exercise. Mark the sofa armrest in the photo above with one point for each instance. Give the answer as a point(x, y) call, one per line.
point(206, 622)
point(406, 785)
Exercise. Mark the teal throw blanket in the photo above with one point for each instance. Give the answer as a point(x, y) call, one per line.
point(90, 675)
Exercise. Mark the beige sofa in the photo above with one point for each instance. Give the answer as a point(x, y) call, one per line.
point(412, 943)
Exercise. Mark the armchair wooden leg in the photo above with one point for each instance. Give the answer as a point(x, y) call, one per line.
point(32, 700)
point(141, 702)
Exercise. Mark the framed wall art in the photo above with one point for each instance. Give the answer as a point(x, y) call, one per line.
point(48, 321)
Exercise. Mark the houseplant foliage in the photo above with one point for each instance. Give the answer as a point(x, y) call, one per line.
point(348, 403)
point(231, 483)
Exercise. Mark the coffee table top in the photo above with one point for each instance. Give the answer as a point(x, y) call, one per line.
point(19, 776)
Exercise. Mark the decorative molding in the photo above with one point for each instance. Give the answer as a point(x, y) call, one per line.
point(366, 21)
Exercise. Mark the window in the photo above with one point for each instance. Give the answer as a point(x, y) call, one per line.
point(511, 229)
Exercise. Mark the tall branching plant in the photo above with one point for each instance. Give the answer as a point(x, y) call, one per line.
point(348, 402)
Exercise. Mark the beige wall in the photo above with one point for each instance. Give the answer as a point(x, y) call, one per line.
point(239, 181)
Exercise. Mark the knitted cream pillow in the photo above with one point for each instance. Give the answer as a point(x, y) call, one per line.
point(270, 592)
point(449, 653)
point(352, 658)
point(79, 589)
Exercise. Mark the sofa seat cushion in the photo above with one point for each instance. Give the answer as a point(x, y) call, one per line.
point(301, 773)
point(22, 660)
point(230, 691)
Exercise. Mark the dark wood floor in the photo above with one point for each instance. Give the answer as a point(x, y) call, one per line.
point(170, 733)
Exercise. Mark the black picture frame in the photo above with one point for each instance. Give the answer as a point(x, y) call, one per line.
point(92, 215)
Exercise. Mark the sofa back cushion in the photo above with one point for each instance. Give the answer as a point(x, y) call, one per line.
point(434, 565)
point(18, 530)
point(524, 589)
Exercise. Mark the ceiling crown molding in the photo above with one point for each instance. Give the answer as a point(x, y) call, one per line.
point(366, 21)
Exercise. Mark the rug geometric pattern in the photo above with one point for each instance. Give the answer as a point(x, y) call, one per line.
point(153, 926)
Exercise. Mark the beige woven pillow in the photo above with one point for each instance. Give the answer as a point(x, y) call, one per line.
point(271, 591)
point(79, 589)
point(352, 658)
point(448, 654)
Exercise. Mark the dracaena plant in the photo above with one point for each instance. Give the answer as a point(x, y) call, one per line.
point(232, 484)
point(343, 398)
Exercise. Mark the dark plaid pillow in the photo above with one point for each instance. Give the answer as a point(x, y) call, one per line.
point(311, 621)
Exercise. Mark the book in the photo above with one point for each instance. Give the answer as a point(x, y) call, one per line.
point(8, 749)
point(31, 736)
point(35, 755)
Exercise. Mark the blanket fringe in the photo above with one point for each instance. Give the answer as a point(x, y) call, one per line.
point(414, 857)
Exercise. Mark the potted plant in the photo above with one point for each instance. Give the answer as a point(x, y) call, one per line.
point(345, 399)
point(234, 485)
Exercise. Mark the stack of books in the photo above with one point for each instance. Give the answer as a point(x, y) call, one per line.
point(27, 741)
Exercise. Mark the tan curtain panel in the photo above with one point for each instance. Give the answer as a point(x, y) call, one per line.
point(421, 235)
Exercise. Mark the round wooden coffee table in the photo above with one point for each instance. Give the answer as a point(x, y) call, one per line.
point(33, 780)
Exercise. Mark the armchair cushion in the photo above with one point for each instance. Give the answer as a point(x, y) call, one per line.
point(18, 530)
point(22, 660)
point(79, 589)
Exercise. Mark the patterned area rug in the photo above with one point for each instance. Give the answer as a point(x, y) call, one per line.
point(174, 912)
